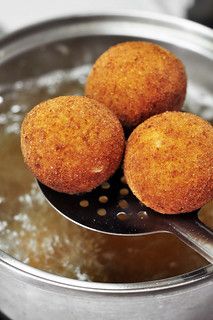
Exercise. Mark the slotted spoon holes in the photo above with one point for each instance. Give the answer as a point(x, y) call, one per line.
point(122, 216)
point(109, 208)
point(111, 198)
point(101, 212)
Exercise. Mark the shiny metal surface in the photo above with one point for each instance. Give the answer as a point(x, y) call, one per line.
point(113, 209)
point(28, 293)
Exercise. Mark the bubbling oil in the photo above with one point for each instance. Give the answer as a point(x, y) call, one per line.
point(32, 232)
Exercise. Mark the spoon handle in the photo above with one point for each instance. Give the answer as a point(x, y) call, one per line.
point(195, 234)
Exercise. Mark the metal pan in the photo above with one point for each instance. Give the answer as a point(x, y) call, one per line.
point(28, 293)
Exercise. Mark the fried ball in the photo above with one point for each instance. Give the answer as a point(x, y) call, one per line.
point(137, 80)
point(169, 162)
point(72, 144)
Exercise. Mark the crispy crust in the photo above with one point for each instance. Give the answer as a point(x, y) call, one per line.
point(137, 80)
point(72, 144)
point(169, 162)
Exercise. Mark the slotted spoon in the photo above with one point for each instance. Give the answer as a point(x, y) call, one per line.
point(112, 208)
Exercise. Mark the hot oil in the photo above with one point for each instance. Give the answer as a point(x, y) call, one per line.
point(34, 233)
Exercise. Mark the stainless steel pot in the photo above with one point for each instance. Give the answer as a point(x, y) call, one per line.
point(28, 293)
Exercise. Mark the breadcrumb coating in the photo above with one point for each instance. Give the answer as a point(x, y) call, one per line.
point(137, 80)
point(72, 144)
point(169, 162)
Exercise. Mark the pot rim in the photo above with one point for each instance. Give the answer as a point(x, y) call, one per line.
point(97, 14)
point(29, 273)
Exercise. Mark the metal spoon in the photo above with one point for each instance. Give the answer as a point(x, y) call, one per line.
point(112, 208)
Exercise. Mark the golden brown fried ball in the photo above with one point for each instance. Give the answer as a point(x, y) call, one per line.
point(72, 144)
point(169, 162)
point(137, 80)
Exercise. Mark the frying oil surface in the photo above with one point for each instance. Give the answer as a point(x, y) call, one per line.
point(34, 233)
